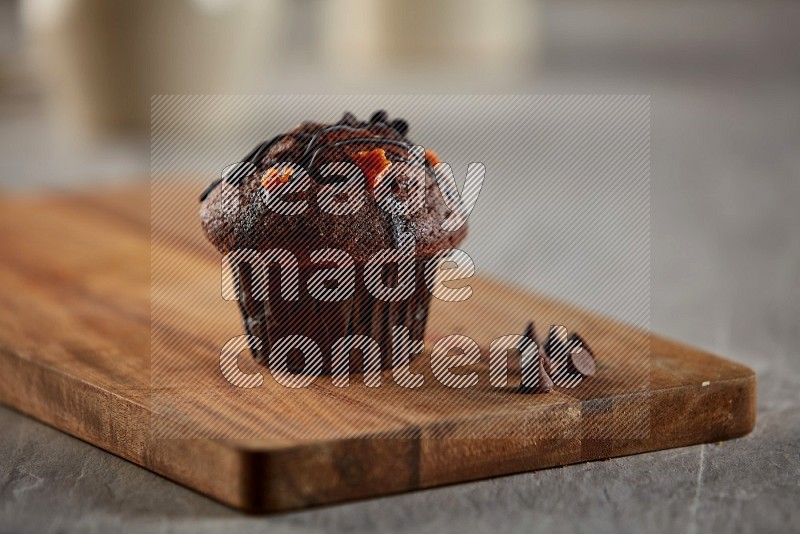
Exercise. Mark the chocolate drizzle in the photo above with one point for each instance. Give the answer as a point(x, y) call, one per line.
point(327, 130)
point(348, 123)
point(236, 176)
point(355, 141)
point(204, 194)
point(402, 229)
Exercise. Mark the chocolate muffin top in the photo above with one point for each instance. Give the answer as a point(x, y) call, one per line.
point(235, 215)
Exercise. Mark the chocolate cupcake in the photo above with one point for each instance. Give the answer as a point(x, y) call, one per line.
point(321, 196)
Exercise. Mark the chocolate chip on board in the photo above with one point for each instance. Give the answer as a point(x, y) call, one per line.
point(535, 378)
point(581, 360)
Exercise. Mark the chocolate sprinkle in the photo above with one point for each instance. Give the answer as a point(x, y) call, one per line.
point(348, 119)
point(379, 116)
point(400, 126)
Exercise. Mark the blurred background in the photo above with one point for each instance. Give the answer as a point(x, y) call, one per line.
point(76, 78)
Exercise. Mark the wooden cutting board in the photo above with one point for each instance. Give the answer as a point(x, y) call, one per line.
point(76, 344)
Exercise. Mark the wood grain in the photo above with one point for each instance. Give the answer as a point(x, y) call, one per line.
point(113, 335)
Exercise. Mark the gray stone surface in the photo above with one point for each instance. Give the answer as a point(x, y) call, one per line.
point(725, 276)
point(55, 483)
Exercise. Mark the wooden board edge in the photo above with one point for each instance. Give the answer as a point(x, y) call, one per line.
point(319, 474)
point(119, 426)
point(294, 477)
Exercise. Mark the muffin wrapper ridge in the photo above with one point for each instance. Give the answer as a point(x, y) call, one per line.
point(326, 322)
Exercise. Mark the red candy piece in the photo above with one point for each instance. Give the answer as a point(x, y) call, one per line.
point(274, 177)
point(432, 157)
point(373, 164)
